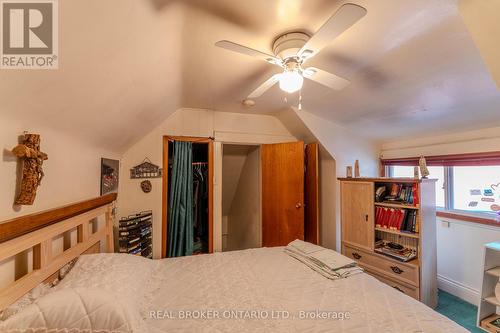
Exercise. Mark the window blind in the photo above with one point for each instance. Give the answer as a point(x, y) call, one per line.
point(471, 159)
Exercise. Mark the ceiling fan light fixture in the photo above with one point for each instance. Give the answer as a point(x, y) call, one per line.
point(306, 54)
point(291, 81)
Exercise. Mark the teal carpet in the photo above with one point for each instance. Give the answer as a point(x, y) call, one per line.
point(459, 311)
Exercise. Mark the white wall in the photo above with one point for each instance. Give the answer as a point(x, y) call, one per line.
point(460, 256)
point(327, 189)
point(459, 246)
point(226, 127)
point(233, 160)
point(345, 146)
point(244, 225)
point(72, 173)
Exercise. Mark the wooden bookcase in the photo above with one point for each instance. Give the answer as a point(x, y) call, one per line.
point(489, 304)
point(417, 277)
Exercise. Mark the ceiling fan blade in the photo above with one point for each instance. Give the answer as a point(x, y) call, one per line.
point(265, 86)
point(225, 44)
point(327, 79)
point(340, 21)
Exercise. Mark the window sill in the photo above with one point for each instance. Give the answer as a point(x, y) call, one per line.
point(491, 221)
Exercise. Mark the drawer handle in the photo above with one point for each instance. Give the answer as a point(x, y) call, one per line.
point(396, 269)
point(356, 255)
point(397, 288)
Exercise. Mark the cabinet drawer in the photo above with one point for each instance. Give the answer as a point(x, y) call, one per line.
point(403, 272)
point(404, 288)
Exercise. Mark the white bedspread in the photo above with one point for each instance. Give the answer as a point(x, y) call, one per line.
point(255, 284)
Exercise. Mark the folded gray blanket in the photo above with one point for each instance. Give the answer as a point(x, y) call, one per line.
point(327, 262)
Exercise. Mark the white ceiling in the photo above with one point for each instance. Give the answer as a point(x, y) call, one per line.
point(125, 65)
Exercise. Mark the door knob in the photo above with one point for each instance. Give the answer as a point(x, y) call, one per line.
point(298, 205)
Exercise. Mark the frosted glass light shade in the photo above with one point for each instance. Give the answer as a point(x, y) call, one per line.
point(291, 81)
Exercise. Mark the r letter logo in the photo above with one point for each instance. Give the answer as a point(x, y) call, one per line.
point(29, 37)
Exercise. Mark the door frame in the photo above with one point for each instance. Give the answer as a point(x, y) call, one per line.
point(312, 214)
point(164, 210)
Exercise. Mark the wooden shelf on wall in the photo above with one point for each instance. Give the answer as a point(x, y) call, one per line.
point(400, 206)
point(495, 272)
point(493, 300)
point(397, 232)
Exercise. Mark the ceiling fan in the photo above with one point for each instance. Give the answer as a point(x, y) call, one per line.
point(293, 49)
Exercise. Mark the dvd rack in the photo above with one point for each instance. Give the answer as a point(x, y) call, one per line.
point(135, 234)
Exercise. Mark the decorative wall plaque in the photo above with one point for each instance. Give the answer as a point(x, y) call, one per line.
point(146, 170)
point(146, 186)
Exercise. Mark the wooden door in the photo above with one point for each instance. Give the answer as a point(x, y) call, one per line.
point(282, 193)
point(312, 194)
point(357, 213)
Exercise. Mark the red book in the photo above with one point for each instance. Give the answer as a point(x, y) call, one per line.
point(377, 216)
point(415, 194)
point(392, 218)
point(386, 218)
point(396, 219)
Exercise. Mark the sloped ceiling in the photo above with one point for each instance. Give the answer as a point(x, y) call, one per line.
point(125, 65)
point(482, 21)
point(119, 73)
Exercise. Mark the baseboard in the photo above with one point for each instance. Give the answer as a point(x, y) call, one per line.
point(458, 289)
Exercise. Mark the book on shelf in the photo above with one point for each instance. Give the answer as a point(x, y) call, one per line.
point(400, 219)
point(399, 194)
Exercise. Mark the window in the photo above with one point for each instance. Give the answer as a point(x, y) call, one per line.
point(435, 172)
point(474, 189)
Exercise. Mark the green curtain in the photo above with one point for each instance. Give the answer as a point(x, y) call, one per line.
point(180, 212)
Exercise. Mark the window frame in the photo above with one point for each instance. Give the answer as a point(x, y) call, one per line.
point(448, 211)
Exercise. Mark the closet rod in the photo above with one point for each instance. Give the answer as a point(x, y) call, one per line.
point(199, 163)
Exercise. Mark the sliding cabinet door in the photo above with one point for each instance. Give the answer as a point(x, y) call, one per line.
point(282, 193)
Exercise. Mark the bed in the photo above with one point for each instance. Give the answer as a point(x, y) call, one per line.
point(256, 290)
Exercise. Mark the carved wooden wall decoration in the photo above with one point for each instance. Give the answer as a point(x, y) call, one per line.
point(31, 156)
point(146, 170)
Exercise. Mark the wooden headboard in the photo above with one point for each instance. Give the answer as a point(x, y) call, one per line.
point(37, 232)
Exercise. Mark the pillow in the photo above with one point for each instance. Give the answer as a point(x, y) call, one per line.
point(38, 291)
point(26, 300)
point(65, 270)
point(75, 310)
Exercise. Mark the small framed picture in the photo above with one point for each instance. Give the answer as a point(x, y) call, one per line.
point(110, 174)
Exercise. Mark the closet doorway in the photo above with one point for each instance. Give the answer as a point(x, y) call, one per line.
point(187, 205)
point(241, 197)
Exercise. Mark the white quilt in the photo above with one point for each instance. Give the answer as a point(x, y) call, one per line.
point(258, 290)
